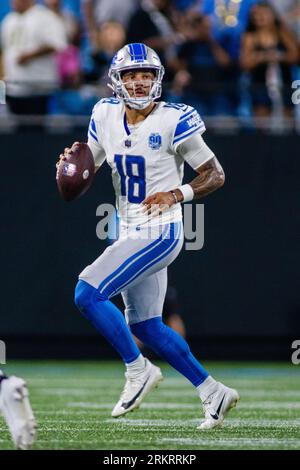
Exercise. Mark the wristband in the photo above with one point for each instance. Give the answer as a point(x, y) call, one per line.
point(174, 196)
point(187, 192)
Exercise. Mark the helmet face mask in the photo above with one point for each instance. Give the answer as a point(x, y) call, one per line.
point(136, 57)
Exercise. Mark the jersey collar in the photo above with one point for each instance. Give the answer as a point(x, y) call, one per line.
point(127, 130)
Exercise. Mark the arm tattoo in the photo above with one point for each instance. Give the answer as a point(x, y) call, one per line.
point(211, 177)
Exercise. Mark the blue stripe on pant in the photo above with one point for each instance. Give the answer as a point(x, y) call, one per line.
point(129, 260)
point(105, 316)
point(141, 262)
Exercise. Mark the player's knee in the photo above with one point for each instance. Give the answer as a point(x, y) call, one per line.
point(149, 331)
point(159, 336)
point(83, 295)
point(86, 296)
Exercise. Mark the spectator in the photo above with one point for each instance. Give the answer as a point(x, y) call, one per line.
point(4, 8)
point(110, 38)
point(68, 60)
point(151, 24)
point(229, 19)
point(268, 52)
point(69, 21)
point(98, 12)
point(31, 35)
point(74, 7)
point(202, 61)
point(289, 11)
point(183, 5)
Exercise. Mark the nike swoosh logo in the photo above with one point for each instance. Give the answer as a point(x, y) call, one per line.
point(216, 415)
point(129, 403)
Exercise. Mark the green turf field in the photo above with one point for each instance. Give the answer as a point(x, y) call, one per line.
point(73, 400)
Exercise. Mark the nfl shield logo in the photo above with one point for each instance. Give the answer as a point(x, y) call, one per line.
point(155, 141)
point(69, 169)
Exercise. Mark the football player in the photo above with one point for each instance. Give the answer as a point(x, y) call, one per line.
point(16, 411)
point(146, 142)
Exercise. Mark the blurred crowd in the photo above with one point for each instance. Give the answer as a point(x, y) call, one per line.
point(225, 57)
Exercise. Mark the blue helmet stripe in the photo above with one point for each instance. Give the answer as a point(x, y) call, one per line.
point(144, 50)
point(138, 51)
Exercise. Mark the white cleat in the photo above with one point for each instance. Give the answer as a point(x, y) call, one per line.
point(16, 410)
point(217, 405)
point(136, 389)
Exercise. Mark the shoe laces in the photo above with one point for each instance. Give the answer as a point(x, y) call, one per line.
point(206, 405)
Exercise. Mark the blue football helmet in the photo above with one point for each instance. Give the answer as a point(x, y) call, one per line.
point(132, 57)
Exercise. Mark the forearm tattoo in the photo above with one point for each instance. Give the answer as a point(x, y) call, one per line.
point(211, 177)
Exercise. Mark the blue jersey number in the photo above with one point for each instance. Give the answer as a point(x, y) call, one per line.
point(178, 106)
point(134, 174)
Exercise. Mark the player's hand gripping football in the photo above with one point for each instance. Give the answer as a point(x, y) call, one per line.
point(75, 171)
point(63, 156)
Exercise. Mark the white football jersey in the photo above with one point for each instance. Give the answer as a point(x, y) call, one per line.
point(145, 158)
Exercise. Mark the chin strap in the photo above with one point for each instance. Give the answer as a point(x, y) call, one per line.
point(122, 94)
point(128, 101)
point(133, 105)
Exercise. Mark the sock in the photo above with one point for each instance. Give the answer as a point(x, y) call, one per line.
point(108, 320)
point(207, 388)
point(170, 346)
point(135, 368)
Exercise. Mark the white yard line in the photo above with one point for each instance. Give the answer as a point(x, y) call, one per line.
point(151, 406)
point(171, 423)
point(261, 405)
point(234, 442)
point(231, 422)
point(200, 442)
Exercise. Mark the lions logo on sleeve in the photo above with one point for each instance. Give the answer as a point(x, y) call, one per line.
point(188, 123)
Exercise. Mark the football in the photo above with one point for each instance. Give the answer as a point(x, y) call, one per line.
point(75, 172)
